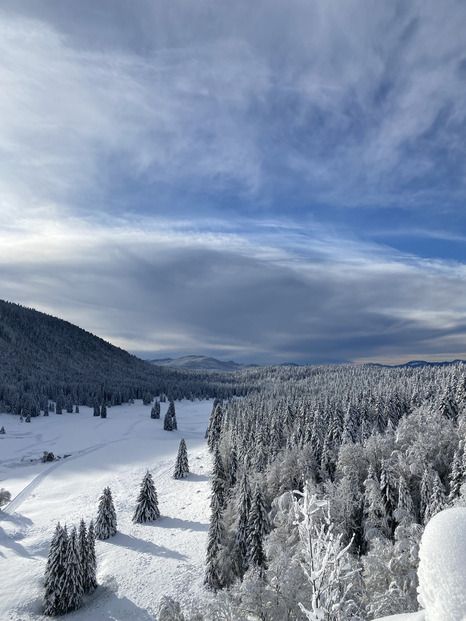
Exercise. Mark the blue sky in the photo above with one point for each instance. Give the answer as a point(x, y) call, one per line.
point(267, 182)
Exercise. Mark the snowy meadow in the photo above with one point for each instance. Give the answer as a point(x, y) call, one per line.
point(142, 562)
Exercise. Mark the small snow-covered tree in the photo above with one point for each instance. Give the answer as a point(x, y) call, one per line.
point(147, 508)
point(169, 610)
point(169, 422)
point(5, 497)
point(2, 430)
point(155, 411)
point(106, 522)
point(181, 466)
point(327, 564)
point(96, 409)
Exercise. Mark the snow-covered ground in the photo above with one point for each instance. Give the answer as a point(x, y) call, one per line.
point(143, 561)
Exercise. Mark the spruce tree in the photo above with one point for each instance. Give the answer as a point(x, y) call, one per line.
point(86, 545)
point(169, 422)
point(90, 579)
point(55, 573)
point(215, 539)
point(258, 528)
point(106, 522)
point(72, 590)
point(103, 410)
point(155, 411)
point(219, 479)
point(215, 427)
point(181, 466)
point(456, 475)
point(2, 430)
point(96, 409)
point(147, 508)
point(241, 544)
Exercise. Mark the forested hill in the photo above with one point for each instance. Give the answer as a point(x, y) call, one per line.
point(43, 357)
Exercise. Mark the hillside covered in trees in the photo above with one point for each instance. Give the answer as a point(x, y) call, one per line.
point(45, 358)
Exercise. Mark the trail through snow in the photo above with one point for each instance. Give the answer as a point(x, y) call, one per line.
point(143, 561)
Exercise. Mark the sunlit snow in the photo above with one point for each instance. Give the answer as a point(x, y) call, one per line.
point(143, 561)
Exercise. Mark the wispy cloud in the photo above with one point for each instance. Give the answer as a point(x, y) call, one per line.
point(208, 176)
point(166, 292)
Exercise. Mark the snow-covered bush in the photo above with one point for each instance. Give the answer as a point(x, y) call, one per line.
point(5, 496)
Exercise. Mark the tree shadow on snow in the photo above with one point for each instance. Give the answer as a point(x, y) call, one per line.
point(192, 476)
point(170, 522)
point(117, 608)
point(7, 542)
point(140, 545)
point(16, 518)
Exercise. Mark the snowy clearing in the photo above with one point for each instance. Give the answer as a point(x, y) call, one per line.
point(143, 561)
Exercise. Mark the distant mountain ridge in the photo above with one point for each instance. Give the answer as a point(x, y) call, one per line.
point(419, 363)
point(200, 363)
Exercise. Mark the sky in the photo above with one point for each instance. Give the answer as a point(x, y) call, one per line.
point(268, 181)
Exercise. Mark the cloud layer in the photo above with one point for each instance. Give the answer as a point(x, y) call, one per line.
point(269, 181)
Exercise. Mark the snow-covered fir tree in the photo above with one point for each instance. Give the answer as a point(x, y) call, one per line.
point(169, 421)
point(241, 537)
point(90, 567)
point(215, 426)
point(214, 573)
point(181, 466)
point(147, 508)
point(72, 586)
point(54, 603)
point(258, 528)
point(106, 522)
point(155, 411)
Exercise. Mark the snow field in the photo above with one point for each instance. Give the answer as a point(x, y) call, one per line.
point(143, 561)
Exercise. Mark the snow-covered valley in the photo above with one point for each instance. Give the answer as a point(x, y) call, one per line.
point(143, 561)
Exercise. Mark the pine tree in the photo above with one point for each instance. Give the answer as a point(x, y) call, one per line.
point(456, 475)
point(181, 466)
point(215, 427)
point(55, 573)
point(72, 589)
point(2, 430)
point(103, 410)
point(147, 508)
point(375, 517)
point(241, 537)
point(96, 409)
point(437, 500)
point(216, 538)
point(405, 506)
point(258, 528)
point(169, 422)
point(219, 479)
point(232, 470)
point(106, 522)
point(155, 411)
point(90, 578)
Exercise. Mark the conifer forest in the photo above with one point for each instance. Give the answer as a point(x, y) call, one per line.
point(322, 481)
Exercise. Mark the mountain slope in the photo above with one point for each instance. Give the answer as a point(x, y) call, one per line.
point(45, 357)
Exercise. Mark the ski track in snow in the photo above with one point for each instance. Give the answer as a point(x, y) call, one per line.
point(27, 491)
point(143, 561)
